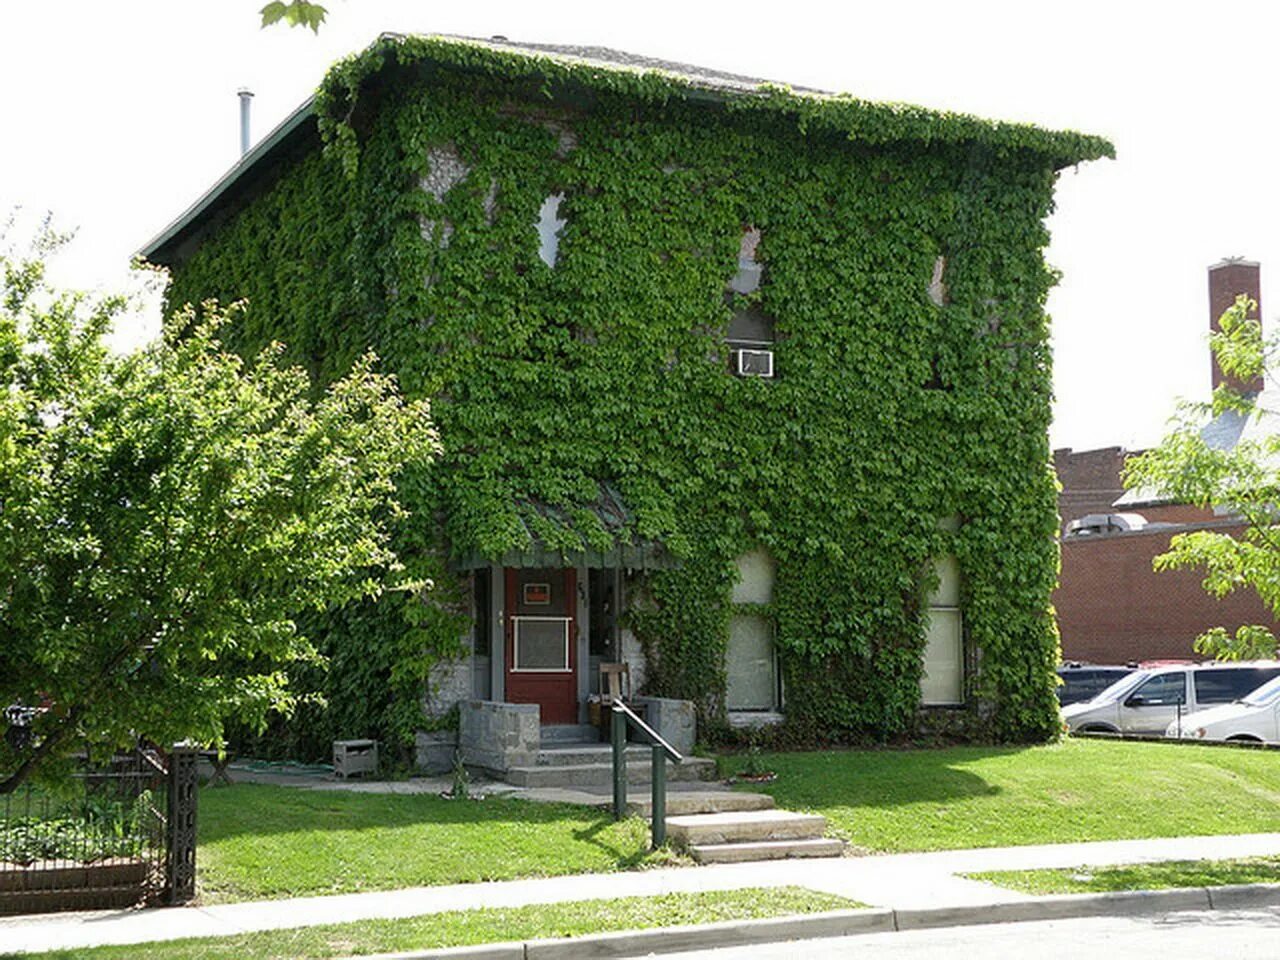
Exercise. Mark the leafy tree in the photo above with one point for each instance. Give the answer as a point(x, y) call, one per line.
point(1243, 480)
point(165, 515)
point(296, 13)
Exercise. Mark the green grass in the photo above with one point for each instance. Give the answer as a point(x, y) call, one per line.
point(259, 842)
point(1138, 876)
point(467, 927)
point(895, 800)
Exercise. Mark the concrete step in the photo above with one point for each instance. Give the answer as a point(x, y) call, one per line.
point(744, 826)
point(601, 774)
point(766, 850)
point(576, 754)
point(686, 802)
point(553, 733)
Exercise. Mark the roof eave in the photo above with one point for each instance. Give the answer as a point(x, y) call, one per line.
point(153, 250)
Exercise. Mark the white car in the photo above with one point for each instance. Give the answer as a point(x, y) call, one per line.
point(1255, 718)
point(1160, 699)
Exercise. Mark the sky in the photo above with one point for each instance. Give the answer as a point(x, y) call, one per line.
point(119, 115)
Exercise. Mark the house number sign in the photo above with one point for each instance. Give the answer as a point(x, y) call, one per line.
point(537, 594)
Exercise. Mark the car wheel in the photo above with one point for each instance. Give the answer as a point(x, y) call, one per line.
point(1244, 738)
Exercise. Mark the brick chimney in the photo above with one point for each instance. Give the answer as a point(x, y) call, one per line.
point(1227, 280)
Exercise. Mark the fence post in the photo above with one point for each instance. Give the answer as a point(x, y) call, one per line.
point(180, 829)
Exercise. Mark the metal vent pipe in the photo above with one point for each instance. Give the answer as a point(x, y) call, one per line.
point(246, 96)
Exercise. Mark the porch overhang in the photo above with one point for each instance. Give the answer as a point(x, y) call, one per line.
point(611, 542)
point(648, 555)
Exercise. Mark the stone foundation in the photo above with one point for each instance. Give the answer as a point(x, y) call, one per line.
point(434, 750)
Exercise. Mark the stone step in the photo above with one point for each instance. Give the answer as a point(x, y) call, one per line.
point(571, 755)
point(766, 850)
point(744, 826)
point(686, 802)
point(601, 774)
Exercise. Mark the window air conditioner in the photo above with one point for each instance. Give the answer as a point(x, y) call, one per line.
point(753, 363)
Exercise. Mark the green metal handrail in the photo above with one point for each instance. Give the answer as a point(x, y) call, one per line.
point(622, 716)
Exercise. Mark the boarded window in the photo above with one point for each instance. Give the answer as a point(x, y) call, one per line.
point(942, 682)
point(755, 578)
point(750, 667)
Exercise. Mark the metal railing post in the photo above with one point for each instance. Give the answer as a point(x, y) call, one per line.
point(658, 805)
point(619, 740)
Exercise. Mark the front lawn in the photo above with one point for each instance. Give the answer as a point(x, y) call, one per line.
point(466, 927)
point(1137, 876)
point(259, 842)
point(896, 800)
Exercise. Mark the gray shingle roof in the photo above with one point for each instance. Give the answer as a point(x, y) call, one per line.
point(621, 59)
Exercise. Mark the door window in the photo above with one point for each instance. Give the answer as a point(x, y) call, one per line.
point(541, 643)
point(1165, 690)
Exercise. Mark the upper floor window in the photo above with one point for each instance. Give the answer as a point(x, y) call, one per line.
point(751, 335)
point(550, 224)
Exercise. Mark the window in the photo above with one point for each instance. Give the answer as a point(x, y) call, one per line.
point(1164, 690)
point(1226, 685)
point(750, 337)
point(541, 644)
point(550, 223)
point(942, 682)
point(751, 667)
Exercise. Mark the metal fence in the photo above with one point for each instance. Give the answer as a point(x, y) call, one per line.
point(115, 834)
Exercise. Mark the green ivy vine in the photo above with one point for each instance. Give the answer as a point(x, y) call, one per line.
point(890, 412)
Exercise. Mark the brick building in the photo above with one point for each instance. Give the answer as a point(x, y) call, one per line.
point(1112, 607)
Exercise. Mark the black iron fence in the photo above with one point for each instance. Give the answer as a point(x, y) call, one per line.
point(115, 834)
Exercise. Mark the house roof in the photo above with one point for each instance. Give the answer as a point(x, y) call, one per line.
point(1224, 432)
point(600, 68)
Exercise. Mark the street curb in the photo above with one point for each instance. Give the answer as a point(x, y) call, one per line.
point(843, 923)
point(1240, 895)
point(1058, 907)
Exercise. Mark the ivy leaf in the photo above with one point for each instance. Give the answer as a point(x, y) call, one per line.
point(296, 13)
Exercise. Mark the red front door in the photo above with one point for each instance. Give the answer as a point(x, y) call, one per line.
point(541, 640)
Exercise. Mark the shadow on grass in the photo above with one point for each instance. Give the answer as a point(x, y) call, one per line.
point(624, 859)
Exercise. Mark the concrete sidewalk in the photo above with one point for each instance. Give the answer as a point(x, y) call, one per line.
point(898, 881)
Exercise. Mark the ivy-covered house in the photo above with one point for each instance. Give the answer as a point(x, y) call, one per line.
point(745, 386)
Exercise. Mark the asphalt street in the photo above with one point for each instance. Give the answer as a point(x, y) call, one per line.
point(1189, 935)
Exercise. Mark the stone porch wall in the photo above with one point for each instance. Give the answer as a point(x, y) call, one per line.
point(497, 736)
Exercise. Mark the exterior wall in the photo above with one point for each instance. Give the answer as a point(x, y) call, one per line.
point(1090, 481)
point(550, 376)
point(450, 683)
point(633, 654)
point(1112, 607)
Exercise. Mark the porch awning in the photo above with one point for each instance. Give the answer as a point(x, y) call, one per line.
point(608, 511)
